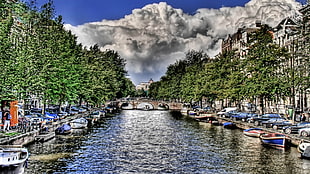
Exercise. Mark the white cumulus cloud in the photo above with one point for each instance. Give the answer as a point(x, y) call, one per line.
point(157, 35)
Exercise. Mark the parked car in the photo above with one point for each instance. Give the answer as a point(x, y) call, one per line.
point(88, 108)
point(252, 117)
point(77, 109)
point(242, 116)
point(305, 132)
point(35, 118)
point(230, 114)
point(55, 112)
point(257, 120)
point(47, 119)
point(224, 112)
point(280, 125)
point(293, 129)
point(36, 110)
point(269, 123)
point(69, 111)
point(62, 114)
point(55, 116)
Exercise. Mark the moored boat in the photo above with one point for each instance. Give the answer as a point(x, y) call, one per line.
point(192, 113)
point(304, 149)
point(229, 125)
point(204, 117)
point(95, 115)
point(184, 111)
point(102, 113)
point(79, 123)
point(274, 139)
point(63, 130)
point(215, 122)
point(13, 156)
point(253, 132)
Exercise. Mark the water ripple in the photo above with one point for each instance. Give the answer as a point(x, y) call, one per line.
point(155, 142)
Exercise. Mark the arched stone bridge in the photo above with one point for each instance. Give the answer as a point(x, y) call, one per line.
point(147, 104)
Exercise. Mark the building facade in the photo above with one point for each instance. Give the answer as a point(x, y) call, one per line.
point(291, 33)
point(145, 86)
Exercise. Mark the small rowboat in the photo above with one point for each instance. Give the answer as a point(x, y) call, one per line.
point(229, 125)
point(253, 132)
point(274, 139)
point(204, 117)
point(79, 123)
point(63, 130)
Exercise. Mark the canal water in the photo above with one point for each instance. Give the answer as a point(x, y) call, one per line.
point(158, 142)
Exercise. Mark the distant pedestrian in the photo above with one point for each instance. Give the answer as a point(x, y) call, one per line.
point(6, 120)
point(287, 117)
point(303, 117)
point(1, 119)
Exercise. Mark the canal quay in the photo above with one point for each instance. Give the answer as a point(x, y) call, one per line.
point(295, 139)
point(32, 134)
point(161, 141)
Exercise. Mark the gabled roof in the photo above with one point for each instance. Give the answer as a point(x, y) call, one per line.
point(286, 23)
point(305, 9)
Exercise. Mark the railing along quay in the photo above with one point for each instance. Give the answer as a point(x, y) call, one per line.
point(24, 138)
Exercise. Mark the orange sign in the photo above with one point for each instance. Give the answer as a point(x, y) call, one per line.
point(14, 112)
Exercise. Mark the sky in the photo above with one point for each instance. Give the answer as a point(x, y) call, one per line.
point(76, 12)
point(150, 34)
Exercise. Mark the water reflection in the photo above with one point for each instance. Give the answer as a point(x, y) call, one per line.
point(156, 142)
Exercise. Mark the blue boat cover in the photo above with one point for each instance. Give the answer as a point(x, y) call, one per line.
point(253, 129)
point(63, 128)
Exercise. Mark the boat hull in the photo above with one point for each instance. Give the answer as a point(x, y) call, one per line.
point(253, 132)
point(192, 113)
point(13, 158)
point(274, 139)
point(79, 123)
point(63, 130)
point(229, 125)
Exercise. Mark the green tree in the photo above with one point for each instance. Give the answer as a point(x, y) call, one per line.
point(7, 60)
point(261, 67)
point(39, 57)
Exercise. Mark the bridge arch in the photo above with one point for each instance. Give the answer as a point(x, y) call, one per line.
point(163, 106)
point(127, 105)
point(145, 106)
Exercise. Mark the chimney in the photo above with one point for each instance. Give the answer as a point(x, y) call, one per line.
point(258, 23)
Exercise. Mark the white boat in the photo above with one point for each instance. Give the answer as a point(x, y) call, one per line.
point(304, 149)
point(184, 111)
point(95, 115)
point(102, 113)
point(253, 132)
point(79, 123)
point(13, 156)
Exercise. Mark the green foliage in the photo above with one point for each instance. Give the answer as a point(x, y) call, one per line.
point(264, 77)
point(261, 74)
point(39, 57)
